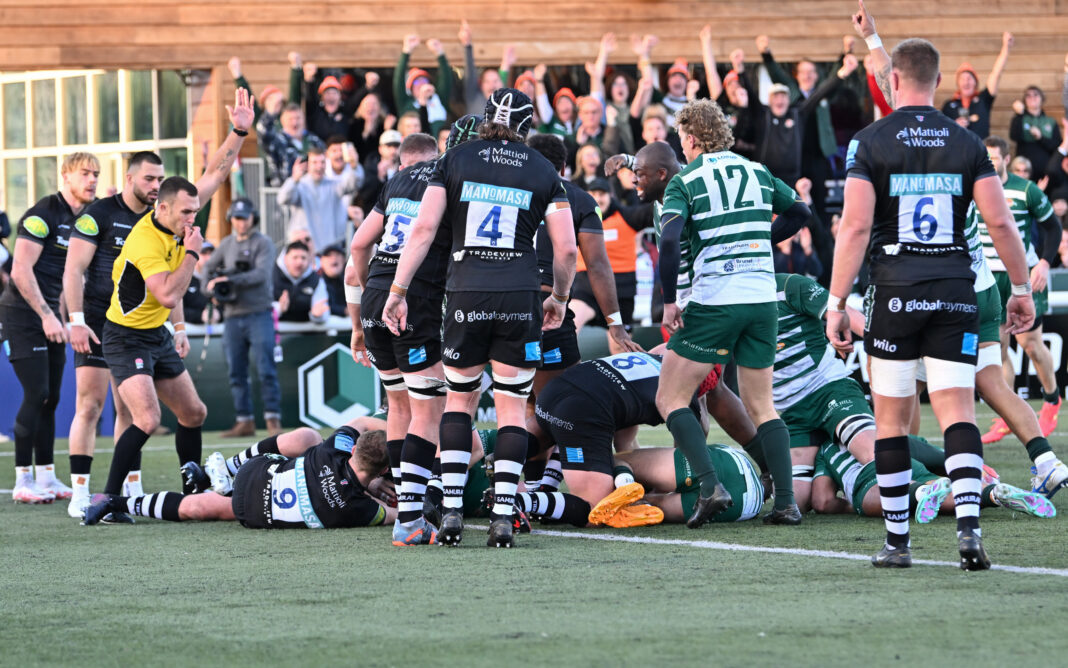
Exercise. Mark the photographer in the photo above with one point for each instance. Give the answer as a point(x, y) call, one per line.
point(240, 282)
point(195, 302)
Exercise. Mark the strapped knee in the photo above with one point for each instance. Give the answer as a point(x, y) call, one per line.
point(516, 386)
point(851, 427)
point(457, 382)
point(393, 382)
point(424, 387)
point(947, 375)
point(803, 472)
point(893, 378)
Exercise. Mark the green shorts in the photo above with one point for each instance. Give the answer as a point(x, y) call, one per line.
point(736, 473)
point(990, 314)
point(1041, 297)
point(823, 410)
point(714, 334)
point(866, 480)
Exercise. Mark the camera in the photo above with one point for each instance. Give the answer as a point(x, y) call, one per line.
point(224, 292)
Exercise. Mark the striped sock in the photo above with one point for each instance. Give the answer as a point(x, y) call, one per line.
point(394, 448)
point(267, 446)
point(455, 435)
point(161, 506)
point(554, 473)
point(964, 465)
point(417, 460)
point(508, 458)
point(554, 506)
point(893, 472)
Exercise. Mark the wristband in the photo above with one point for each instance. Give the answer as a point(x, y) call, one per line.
point(398, 289)
point(77, 318)
point(353, 294)
point(240, 133)
point(560, 299)
point(1021, 290)
point(179, 327)
point(836, 304)
point(614, 319)
point(873, 41)
point(196, 255)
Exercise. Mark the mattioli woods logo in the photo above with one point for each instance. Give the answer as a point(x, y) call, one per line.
point(334, 389)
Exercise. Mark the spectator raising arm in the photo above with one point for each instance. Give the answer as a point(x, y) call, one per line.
point(994, 80)
point(715, 84)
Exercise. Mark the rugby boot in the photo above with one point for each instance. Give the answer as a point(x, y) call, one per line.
point(707, 507)
point(241, 429)
point(418, 532)
point(78, 504)
point(640, 514)
point(1051, 480)
point(30, 493)
point(1021, 500)
point(790, 515)
point(57, 488)
point(501, 533)
point(194, 480)
point(999, 429)
point(929, 499)
point(451, 531)
point(892, 557)
point(990, 476)
point(112, 516)
point(768, 484)
point(97, 510)
point(221, 480)
point(520, 521)
point(972, 555)
point(611, 504)
point(431, 510)
point(1047, 416)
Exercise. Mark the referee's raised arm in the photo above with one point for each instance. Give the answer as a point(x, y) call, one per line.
point(217, 170)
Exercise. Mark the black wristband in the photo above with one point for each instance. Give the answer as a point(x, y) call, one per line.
point(240, 133)
point(196, 255)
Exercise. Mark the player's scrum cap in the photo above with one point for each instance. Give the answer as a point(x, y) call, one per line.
point(779, 88)
point(390, 137)
point(465, 128)
point(329, 82)
point(507, 106)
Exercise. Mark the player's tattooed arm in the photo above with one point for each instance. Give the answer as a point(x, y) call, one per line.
point(864, 24)
point(241, 115)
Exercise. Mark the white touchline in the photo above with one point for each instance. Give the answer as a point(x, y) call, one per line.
point(732, 547)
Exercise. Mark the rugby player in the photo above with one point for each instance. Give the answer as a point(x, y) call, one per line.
point(150, 275)
point(493, 192)
point(298, 481)
point(929, 494)
point(723, 205)
point(33, 335)
point(917, 165)
point(411, 361)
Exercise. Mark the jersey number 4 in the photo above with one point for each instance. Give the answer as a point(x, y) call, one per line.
point(491, 225)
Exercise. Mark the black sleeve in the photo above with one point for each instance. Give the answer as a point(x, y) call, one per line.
point(1016, 128)
point(789, 222)
point(1050, 239)
point(637, 217)
point(670, 256)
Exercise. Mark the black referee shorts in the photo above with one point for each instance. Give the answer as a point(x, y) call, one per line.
point(131, 352)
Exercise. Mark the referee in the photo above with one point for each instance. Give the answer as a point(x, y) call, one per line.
point(911, 177)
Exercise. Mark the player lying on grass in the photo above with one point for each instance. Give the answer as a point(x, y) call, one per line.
point(929, 493)
point(291, 480)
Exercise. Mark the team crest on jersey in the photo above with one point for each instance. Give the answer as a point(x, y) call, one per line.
point(139, 363)
point(87, 226)
point(919, 118)
point(36, 226)
point(728, 266)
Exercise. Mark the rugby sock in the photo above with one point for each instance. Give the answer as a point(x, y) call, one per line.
point(161, 506)
point(434, 484)
point(554, 506)
point(753, 449)
point(23, 476)
point(893, 472)
point(986, 498)
point(80, 466)
point(133, 484)
point(508, 458)
point(775, 440)
point(933, 458)
point(1052, 397)
point(964, 465)
point(554, 473)
point(622, 475)
point(46, 474)
point(267, 446)
point(690, 438)
point(188, 443)
point(417, 460)
point(455, 439)
point(1040, 453)
point(394, 448)
point(534, 469)
point(126, 447)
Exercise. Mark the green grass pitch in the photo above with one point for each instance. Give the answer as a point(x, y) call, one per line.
point(217, 594)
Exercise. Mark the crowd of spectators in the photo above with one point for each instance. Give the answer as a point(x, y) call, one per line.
point(331, 143)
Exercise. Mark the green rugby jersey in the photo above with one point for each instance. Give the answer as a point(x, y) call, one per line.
point(984, 278)
point(727, 203)
point(843, 468)
point(804, 359)
point(1028, 204)
point(683, 285)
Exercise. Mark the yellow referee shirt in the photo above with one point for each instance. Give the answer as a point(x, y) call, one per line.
point(150, 249)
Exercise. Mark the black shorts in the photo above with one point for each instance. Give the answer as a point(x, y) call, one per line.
point(499, 326)
point(417, 348)
point(22, 332)
point(95, 318)
point(130, 352)
point(251, 498)
point(938, 319)
point(559, 347)
point(583, 436)
point(626, 287)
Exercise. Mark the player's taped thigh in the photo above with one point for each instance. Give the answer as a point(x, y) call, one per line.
point(515, 386)
point(393, 382)
point(424, 387)
point(947, 375)
point(893, 378)
point(803, 472)
point(853, 426)
point(458, 382)
point(988, 356)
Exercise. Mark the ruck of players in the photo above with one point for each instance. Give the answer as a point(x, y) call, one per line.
point(475, 267)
